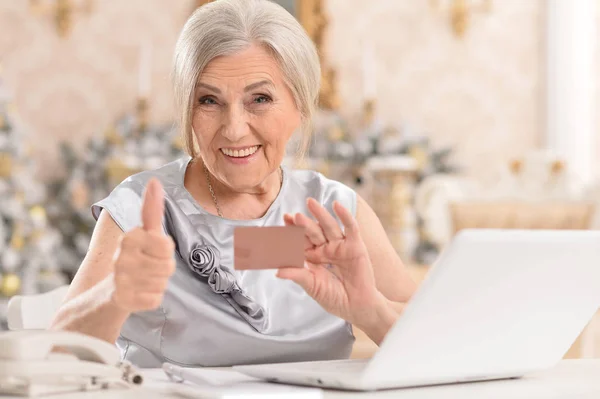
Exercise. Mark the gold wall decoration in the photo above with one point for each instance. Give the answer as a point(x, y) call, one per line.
point(141, 110)
point(460, 12)
point(391, 200)
point(17, 240)
point(312, 16)
point(61, 11)
point(116, 171)
point(10, 284)
point(6, 164)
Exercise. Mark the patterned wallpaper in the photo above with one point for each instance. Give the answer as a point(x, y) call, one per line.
point(72, 88)
point(481, 94)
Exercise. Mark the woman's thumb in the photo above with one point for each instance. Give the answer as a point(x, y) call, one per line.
point(153, 206)
point(300, 275)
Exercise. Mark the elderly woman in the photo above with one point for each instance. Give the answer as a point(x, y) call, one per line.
point(159, 278)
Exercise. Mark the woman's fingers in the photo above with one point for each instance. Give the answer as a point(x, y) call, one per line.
point(302, 276)
point(312, 278)
point(313, 230)
point(328, 224)
point(289, 221)
point(316, 255)
point(351, 230)
point(319, 232)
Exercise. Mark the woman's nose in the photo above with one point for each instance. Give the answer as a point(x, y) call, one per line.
point(236, 124)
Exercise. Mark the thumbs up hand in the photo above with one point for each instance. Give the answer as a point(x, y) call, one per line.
point(145, 259)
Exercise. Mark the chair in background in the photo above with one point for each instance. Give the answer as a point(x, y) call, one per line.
point(552, 215)
point(536, 192)
point(34, 312)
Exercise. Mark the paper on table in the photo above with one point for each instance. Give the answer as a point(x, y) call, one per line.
point(205, 376)
point(246, 390)
point(230, 384)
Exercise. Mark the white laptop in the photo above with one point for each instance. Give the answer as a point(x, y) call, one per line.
point(497, 304)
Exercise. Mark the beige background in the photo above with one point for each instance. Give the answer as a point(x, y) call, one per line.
point(482, 93)
point(70, 89)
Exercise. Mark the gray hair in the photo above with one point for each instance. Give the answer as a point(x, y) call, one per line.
point(225, 27)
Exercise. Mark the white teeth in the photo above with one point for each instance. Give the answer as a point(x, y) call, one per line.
point(240, 153)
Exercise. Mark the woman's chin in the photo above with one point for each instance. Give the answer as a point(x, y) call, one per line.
point(244, 173)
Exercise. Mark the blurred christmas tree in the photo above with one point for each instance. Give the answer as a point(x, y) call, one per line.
point(127, 147)
point(27, 243)
point(343, 149)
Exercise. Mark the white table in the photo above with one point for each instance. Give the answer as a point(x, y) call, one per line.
point(570, 379)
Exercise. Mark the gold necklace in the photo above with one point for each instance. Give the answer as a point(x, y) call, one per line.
point(212, 191)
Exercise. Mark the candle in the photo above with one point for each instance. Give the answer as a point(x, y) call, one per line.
point(369, 74)
point(145, 70)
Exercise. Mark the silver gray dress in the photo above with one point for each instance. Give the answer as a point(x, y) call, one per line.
point(213, 315)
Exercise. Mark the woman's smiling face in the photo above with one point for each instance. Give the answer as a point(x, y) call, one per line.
point(243, 116)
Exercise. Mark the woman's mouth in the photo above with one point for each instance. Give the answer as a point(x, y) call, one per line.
point(240, 154)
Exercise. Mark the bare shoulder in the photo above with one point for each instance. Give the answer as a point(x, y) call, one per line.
point(371, 229)
point(364, 212)
point(97, 263)
point(105, 237)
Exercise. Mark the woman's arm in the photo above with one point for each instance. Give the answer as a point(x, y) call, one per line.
point(391, 277)
point(385, 316)
point(121, 274)
point(88, 307)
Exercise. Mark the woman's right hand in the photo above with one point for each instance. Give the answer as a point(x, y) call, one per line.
point(145, 258)
point(339, 274)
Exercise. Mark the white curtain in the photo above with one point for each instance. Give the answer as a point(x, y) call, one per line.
point(570, 84)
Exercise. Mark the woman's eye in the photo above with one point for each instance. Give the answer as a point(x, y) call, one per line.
point(207, 101)
point(261, 99)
